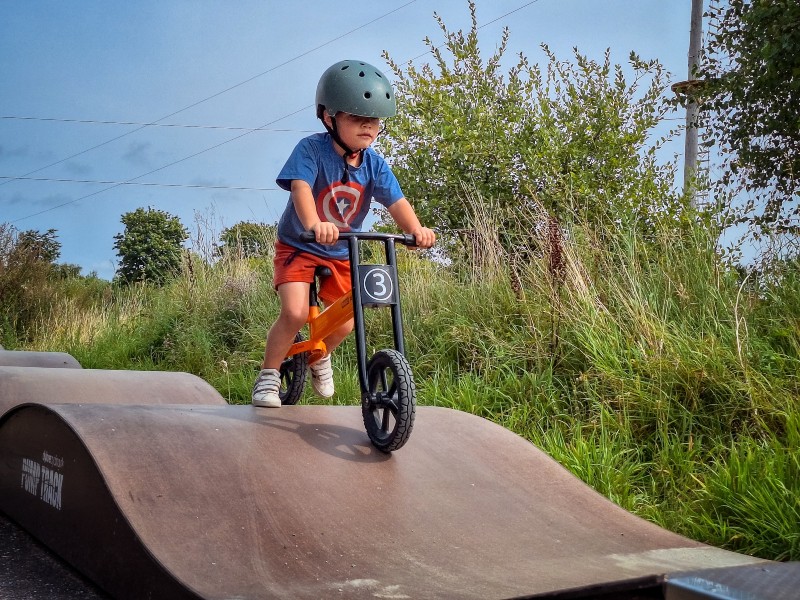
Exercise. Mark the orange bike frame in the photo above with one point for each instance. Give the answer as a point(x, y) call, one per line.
point(321, 324)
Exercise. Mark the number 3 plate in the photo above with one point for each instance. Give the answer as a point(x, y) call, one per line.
point(378, 285)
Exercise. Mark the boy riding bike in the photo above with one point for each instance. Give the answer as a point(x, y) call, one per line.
point(331, 177)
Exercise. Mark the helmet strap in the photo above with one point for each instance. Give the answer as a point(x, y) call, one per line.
point(348, 152)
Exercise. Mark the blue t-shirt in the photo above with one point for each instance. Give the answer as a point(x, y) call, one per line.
point(315, 161)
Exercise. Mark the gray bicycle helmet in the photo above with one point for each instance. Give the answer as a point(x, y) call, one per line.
point(355, 87)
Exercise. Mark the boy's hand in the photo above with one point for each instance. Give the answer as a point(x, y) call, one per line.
point(405, 217)
point(327, 233)
point(425, 237)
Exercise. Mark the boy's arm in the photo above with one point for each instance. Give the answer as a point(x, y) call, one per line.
point(403, 214)
point(306, 208)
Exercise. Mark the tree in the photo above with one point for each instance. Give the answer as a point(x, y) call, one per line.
point(247, 240)
point(574, 137)
point(24, 253)
point(38, 246)
point(27, 272)
point(750, 102)
point(150, 247)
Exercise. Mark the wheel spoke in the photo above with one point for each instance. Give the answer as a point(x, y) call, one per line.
point(385, 420)
point(384, 383)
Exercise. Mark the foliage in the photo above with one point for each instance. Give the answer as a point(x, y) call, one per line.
point(761, 519)
point(18, 271)
point(632, 355)
point(69, 270)
point(150, 247)
point(38, 246)
point(574, 138)
point(30, 281)
point(247, 240)
point(750, 103)
point(647, 369)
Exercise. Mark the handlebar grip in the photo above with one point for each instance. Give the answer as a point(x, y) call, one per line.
point(409, 239)
point(308, 236)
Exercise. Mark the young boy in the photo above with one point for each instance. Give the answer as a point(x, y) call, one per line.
point(331, 178)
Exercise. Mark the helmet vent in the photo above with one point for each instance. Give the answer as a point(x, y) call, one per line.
point(345, 67)
point(367, 95)
point(362, 74)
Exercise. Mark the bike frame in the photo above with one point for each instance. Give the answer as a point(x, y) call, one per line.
point(350, 306)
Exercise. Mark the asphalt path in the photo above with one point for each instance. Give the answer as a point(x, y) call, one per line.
point(30, 572)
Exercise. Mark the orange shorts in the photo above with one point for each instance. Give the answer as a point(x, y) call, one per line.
point(292, 264)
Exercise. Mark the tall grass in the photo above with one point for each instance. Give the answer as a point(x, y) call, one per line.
point(648, 368)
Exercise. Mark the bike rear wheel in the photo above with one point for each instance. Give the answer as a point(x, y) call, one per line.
point(389, 404)
point(293, 375)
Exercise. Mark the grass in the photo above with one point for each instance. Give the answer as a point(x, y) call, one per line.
point(646, 368)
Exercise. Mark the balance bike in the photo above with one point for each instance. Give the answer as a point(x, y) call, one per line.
point(388, 394)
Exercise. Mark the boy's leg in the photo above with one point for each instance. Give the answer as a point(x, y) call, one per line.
point(322, 370)
point(332, 287)
point(294, 311)
point(338, 336)
point(293, 315)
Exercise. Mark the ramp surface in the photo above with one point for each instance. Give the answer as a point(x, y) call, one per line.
point(152, 486)
point(25, 358)
point(22, 384)
point(215, 501)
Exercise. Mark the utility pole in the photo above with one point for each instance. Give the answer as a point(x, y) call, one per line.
point(690, 166)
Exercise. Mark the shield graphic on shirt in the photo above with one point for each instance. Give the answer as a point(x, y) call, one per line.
point(340, 203)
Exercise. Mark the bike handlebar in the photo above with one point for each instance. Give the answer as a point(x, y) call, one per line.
point(406, 239)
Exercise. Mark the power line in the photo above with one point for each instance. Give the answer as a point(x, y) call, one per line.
point(193, 126)
point(151, 124)
point(146, 184)
point(158, 123)
point(241, 83)
point(495, 20)
point(511, 12)
point(132, 181)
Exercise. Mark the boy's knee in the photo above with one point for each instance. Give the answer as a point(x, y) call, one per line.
point(294, 317)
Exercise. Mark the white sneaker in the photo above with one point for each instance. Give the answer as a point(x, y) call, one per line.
point(266, 388)
point(322, 377)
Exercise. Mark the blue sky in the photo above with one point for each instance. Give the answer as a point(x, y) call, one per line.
point(225, 68)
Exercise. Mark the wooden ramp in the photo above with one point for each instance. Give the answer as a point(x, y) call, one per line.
point(24, 358)
point(153, 487)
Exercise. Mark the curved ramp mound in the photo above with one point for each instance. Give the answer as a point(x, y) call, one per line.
point(26, 358)
point(153, 487)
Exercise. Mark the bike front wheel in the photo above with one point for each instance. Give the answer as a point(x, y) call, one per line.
point(293, 376)
point(389, 404)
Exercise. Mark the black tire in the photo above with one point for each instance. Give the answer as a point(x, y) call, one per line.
point(293, 376)
point(389, 405)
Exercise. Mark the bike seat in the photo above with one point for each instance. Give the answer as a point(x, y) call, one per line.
point(322, 272)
